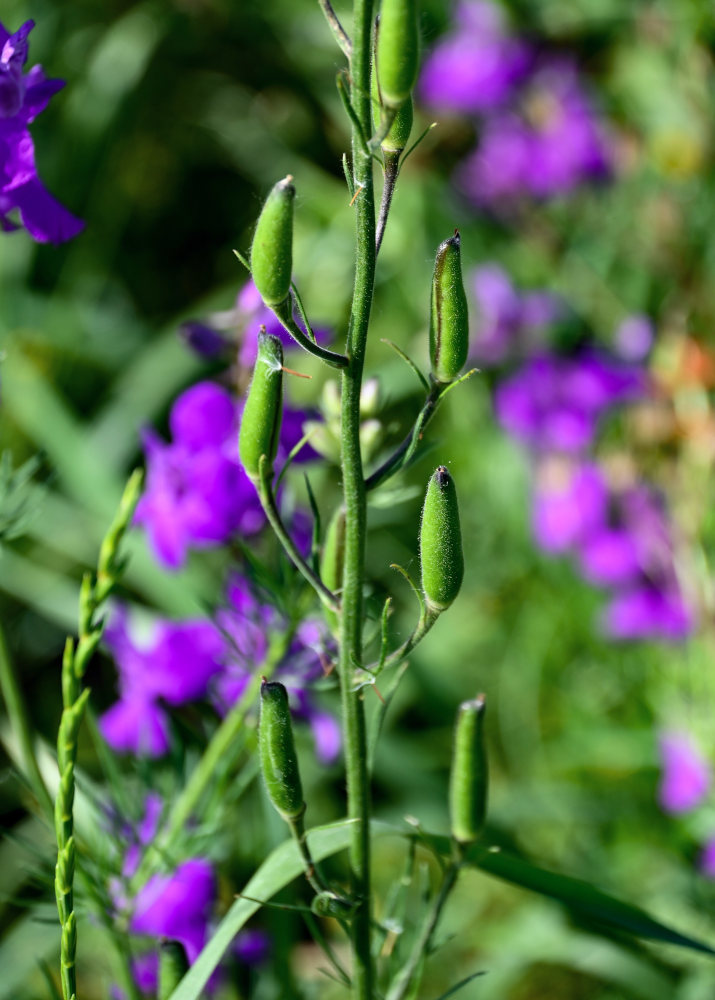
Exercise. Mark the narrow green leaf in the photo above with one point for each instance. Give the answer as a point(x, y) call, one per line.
point(582, 899)
point(458, 986)
point(279, 869)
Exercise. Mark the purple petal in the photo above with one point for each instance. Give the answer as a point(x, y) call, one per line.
point(136, 725)
point(685, 778)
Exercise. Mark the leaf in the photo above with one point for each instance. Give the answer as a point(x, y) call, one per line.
point(458, 986)
point(278, 870)
point(581, 898)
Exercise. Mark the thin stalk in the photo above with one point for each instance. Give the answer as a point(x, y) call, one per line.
point(355, 501)
point(405, 451)
point(284, 313)
point(336, 27)
point(20, 726)
point(423, 626)
point(403, 980)
point(312, 873)
point(268, 502)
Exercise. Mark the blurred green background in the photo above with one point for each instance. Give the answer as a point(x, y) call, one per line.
point(175, 120)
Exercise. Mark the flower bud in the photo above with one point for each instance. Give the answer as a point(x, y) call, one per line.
point(441, 542)
point(333, 560)
point(398, 51)
point(329, 904)
point(449, 319)
point(261, 420)
point(279, 761)
point(272, 247)
point(173, 965)
point(469, 778)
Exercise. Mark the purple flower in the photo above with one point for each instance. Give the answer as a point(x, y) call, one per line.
point(252, 946)
point(476, 66)
point(649, 611)
point(507, 321)
point(23, 96)
point(175, 666)
point(177, 906)
point(569, 499)
point(197, 494)
point(553, 143)
point(203, 339)
point(634, 337)
point(553, 403)
point(685, 777)
point(707, 858)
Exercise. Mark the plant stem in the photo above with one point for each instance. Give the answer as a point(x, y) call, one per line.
point(355, 500)
point(392, 169)
point(20, 725)
point(403, 980)
point(406, 450)
point(268, 502)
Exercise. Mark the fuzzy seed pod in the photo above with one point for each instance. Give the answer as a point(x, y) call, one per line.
point(333, 560)
point(441, 542)
point(279, 761)
point(272, 247)
point(173, 965)
point(398, 51)
point(469, 778)
point(261, 420)
point(399, 134)
point(449, 318)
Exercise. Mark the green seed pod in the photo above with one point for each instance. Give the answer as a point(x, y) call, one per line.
point(333, 560)
point(261, 420)
point(469, 778)
point(398, 51)
point(399, 134)
point(441, 542)
point(279, 761)
point(449, 318)
point(272, 247)
point(173, 966)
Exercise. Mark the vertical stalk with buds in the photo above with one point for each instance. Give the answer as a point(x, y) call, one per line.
point(94, 592)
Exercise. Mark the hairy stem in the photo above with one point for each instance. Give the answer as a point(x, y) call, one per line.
point(392, 169)
point(355, 501)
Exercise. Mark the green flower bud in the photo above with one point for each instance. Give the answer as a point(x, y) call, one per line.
point(173, 965)
point(261, 420)
point(449, 319)
point(328, 904)
point(272, 247)
point(441, 542)
point(279, 761)
point(333, 560)
point(469, 778)
point(398, 51)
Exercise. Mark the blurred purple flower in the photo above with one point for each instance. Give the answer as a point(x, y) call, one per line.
point(23, 96)
point(507, 320)
point(685, 777)
point(476, 66)
point(197, 493)
point(707, 858)
point(177, 906)
point(633, 339)
point(174, 666)
point(649, 611)
point(203, 339)
point(551, 145)
point(569, 499)
point(252, 946)
point(252, 314)
point(553, 403)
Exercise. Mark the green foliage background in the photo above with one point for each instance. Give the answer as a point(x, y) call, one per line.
point(176, 118)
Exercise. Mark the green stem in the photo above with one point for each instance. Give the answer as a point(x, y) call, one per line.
point(403, 980)
point(312, 874)
point(284, 313)
point(270, 507)
point(355, 501)
point(20, 725)
point(405, 452)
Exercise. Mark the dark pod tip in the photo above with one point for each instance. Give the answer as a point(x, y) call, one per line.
point(442, 476)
